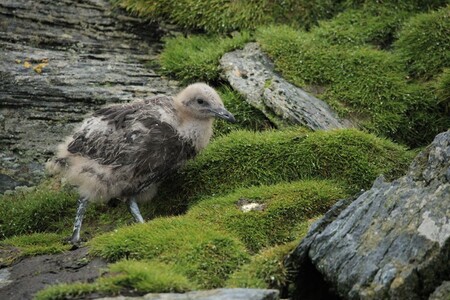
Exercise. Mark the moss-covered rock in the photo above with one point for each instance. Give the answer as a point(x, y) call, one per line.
point(424, 43)
point(280, 210)
point(206, 255)
point(243, 159)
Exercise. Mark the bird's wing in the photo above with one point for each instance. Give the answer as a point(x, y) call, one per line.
point(150, 151)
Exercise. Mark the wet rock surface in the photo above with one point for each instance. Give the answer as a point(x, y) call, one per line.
point(26, 277)
point(392, 242)
point(58, 61)
point(251, 73)
point(218, 294)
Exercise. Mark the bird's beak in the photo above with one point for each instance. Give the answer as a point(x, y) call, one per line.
point(223, 114)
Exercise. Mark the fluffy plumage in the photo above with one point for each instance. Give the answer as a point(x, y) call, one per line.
point(124, 151)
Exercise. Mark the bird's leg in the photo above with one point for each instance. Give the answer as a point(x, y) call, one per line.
point(134, 210)
point(82, 205)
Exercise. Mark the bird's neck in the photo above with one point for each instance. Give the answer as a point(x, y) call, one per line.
point(197, 131)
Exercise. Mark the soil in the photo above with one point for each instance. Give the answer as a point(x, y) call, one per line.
point(24, 278)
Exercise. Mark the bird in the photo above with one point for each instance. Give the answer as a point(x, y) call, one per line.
point(125, 151)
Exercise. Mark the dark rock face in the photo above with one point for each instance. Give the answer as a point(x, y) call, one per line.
point(58, 61)
point(251, 73)
point(392, 242)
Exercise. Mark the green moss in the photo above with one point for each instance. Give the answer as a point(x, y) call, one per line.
point(43, 209)
point(243, 159)
point(125, 276)
point(196, 58)
point(265, 270)
point(145, 277)
point(424, 43)
point(66, 291)
point(375, 25)
point(442, 88)
point(282, 208)
point(38, 243)
point(207, 256)
point(222, 16)
point(366, 85)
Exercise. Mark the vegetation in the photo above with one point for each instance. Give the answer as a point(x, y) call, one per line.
point(384, 65)
point(424, 43)
point(243, 159)
point(196, 58)
point(369, 63)
point(222, 16)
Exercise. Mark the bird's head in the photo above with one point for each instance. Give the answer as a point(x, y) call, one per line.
point(201, 101)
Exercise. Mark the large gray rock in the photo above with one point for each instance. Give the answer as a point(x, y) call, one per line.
point(392, 242)
point(58, 61)
point(251, 73)
point(218, 294)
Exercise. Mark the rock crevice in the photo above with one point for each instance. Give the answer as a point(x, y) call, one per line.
point(392, 242)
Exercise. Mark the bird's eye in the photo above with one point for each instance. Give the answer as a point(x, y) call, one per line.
point(200, 101)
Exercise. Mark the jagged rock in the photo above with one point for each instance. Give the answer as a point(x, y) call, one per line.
point(218, 294)
point(392, 242)
point(251, 73)
point(60, 60)
point(442, 292)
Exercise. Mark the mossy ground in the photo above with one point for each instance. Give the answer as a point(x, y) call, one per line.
point(294, 175)
point(360, 54)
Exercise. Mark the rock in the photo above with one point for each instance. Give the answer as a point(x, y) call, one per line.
point(218, 294)
point(59, 61)
point(251, 73)
point(392, 242)
point(31, 274)
point(442, 292)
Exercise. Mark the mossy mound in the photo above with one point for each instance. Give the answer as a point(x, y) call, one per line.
point(222, 16)
point(424, 43)
point(280, 209)
point(243, 159)
point(203, 254)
